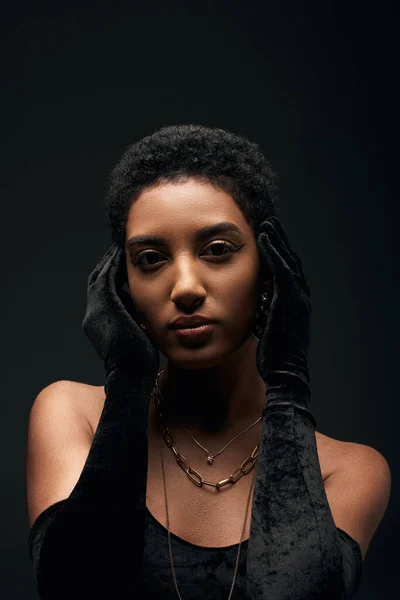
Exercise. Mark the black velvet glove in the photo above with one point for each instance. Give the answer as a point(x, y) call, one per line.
point(295, 550)
point(282, 352)
point(130, 357)
point(92, 545)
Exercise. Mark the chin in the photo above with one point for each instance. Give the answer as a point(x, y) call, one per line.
point(201, 356)
point(195, 364)
point(194, 358)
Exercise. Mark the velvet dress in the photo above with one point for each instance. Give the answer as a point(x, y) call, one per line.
point(105, 562)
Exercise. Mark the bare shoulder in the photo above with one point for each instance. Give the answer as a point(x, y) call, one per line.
point(90, 399)
point(343, 459)
point(331, 453)
point(358, 489)
point(84, 400)
point(59, 437)
point(355, 460)
point(345, 453)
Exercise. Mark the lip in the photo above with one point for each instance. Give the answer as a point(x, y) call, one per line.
point(193, 321)
point(194, 333)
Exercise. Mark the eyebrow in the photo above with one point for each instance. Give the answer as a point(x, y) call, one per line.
point(203, 233)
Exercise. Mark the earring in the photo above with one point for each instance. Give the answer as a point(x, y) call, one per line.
point(261, 315)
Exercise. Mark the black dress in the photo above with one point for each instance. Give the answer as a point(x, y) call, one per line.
point(202, 573)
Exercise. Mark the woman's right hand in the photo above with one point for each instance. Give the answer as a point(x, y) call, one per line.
point(108, 323)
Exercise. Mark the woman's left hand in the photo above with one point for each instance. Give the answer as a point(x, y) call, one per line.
point(282, 351)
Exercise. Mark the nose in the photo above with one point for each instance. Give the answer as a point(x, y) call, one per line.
point(187, 286)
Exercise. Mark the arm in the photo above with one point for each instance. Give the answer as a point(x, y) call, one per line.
point(295, 549)
point(89, 542)
point(90, 545)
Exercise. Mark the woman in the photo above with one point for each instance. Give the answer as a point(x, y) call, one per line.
point(205, 479)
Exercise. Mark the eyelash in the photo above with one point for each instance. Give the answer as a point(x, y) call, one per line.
point(233, 248)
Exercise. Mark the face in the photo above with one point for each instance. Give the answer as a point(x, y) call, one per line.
point(216, 275)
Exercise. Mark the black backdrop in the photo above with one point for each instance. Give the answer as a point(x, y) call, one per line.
point(313, 83)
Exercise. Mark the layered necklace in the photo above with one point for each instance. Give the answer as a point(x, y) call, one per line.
point(194, 476)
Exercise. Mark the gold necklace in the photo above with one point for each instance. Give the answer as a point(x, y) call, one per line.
point(245, 468)
point(210, 455)
point(169, 533)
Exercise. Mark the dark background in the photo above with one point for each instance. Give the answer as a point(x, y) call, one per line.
point(313, 83)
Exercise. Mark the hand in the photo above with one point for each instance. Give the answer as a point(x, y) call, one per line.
point(282, 352)
point(109, 325)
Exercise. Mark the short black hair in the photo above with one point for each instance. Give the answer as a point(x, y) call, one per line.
point(225, 159)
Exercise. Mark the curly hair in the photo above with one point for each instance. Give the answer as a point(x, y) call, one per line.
point(176, 152)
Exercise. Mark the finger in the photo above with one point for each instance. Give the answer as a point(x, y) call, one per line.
point(100, 265)
point(109, 272)
point(115, 271)
point(278, 225)
point(281, 233)
point(274, 261)
point(121, 273)
point(280, 246)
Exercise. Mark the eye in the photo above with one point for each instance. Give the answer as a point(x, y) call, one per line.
point(152, 254)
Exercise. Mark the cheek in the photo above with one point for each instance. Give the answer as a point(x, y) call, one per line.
point(148, 310)
point(240, 297)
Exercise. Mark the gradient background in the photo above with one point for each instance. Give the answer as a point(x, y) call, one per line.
point(314, 84)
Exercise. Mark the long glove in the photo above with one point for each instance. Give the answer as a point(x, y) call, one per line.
point(295, 551)
point(91, 545)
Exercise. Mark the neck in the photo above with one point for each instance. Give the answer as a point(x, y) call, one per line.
point(215, 400)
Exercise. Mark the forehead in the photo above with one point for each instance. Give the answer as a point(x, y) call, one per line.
point(187, 205)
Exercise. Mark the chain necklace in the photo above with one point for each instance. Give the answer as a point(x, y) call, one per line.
point(210, 455)
point(169, 533)
point(245, 468)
